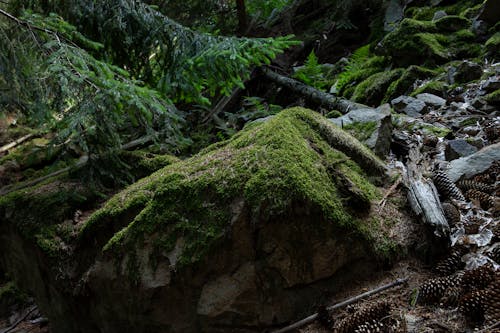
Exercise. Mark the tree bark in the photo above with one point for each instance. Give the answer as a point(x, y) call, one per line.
point(326, 100)
point(242, 16)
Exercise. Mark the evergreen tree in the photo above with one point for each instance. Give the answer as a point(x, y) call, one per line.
point(101, 72)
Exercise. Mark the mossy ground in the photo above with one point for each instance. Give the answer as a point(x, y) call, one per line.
point(270, 166)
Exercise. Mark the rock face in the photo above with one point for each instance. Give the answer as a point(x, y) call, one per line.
point(244, 235)
point(474, 164)
point(458, 148)
point(409, 105)
point(371, 126)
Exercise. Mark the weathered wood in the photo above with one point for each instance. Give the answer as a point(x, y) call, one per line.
point(15, 143)
point(326, 100)
point(351, 300)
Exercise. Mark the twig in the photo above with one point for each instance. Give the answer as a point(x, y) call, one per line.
point(487, 329)
point(222, 103)
point(389, 192)
point(20, 320)
point(354, 299)
point(13, 144)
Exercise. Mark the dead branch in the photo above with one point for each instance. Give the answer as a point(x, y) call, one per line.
point(354, 299)
point(222, 103)
point(15, 143)
point(328, 101)
point(20, 320)
point(389, 192)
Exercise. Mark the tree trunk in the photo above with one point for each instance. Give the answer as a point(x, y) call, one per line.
point(242, 16)
point(326, 100)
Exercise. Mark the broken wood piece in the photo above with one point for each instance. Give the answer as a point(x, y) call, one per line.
point(424, 200)
point(327, 100)
point(354, 299)
point(15, 143)
point(389, 192)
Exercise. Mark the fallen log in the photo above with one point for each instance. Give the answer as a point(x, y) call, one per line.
point(326, 100)
point(15, 143)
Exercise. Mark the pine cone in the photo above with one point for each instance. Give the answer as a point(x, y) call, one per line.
point(492, 303)
point(446, 187)
point(433, 290)
point(467, 184)
point(473, 306)
point(374, 312)
point(451, 296)
point(484, 199)
point(370, 327)
point(478, 278)
point(451, 213)
point(451, 264)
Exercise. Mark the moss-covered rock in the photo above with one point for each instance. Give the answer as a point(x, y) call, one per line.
point(493, 98)
point(452, 23)
point(437, 88)
point(404, 84)
point(373, 89)
point(229, 237)
point(492, 45)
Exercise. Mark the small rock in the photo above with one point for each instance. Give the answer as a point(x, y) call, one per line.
point(393, 14)
point(478, 102)
point(380, 139)
point(474, 164)
point(432, 100)
point(439, 14)
point(479, 28)
point(458, 148)
point(491, 84)
point(471, 130)
point(409, 105)
point(465, 72)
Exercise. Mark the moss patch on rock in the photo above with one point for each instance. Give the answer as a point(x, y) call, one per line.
point(404, 84)
point(372, 90)
point(297, 156)
point(492, 45)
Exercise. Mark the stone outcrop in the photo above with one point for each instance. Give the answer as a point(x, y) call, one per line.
point(242, 236)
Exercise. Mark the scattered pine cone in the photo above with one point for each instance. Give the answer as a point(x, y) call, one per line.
point(374, 313)
point(451, 264)
point(473, 305)
point(446, 187)
point(451, 296)
point(433, 290)
point(467, 184)
point(478, 278)
point(451, 213)
point(484, 199)
point(492, 303)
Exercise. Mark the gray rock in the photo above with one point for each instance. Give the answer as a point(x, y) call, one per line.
point(479, 28)
point(379, 138)
point(491, 84)
point(490, 13)
point(432, 100)
point(474, 164)
point(466, 71)
point(458, 148)
point(409, 105)
point(439, 14)
point(393, 15)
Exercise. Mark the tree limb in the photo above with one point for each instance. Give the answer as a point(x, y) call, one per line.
point(354, 299)
point(327, 100)
point(13, 144)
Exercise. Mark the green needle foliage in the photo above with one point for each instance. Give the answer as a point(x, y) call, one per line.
point(100, 73)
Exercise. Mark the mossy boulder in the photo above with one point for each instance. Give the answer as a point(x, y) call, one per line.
point(405, 83)
point(452, 23)
point(372, 90)
point(492, 45)
point(247, 233)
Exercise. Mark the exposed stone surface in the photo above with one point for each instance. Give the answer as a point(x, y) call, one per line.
point(474, 164)
point(458, 148)
point(491, 84)
point(409, 105)
point(246, 234)
point(393, 14)
point(439, 14)
point(376, 137)
point(432, 100)
point(466, 71)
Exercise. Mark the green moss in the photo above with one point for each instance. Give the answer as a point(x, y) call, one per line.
point(403, 85)
point(294, 157)
point(432, 87)
point(493, 98)
point(372, 90)
point(361, 131)
point(452, 23)
point(357, 72)
point(492, 45)
point(465, 8)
